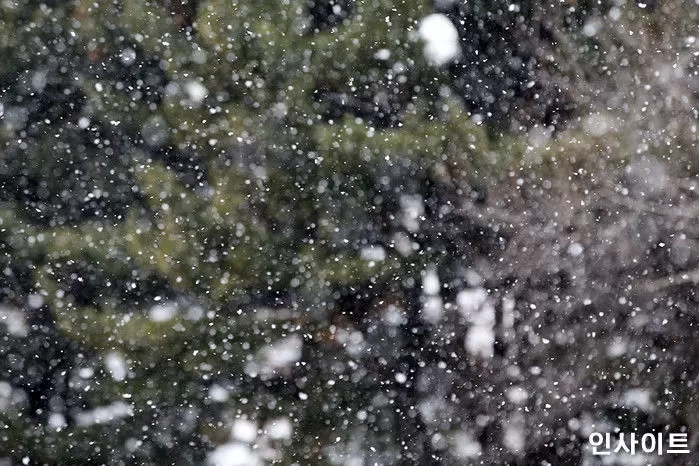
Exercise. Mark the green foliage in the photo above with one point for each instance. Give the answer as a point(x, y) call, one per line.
point(183, 199)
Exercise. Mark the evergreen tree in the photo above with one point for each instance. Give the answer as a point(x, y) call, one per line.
point(284, 219)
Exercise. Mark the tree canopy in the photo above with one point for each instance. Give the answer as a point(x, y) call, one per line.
point(345, 232)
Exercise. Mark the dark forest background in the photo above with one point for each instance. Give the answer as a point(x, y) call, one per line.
point(251, 232)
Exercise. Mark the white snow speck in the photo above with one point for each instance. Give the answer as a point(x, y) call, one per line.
point(128, 56)
point(639, 398)
point(103, 414)
point(413, 208)
point(382, 54)
point(57, 421)
point(163, 312)
point(280, 428)
point(471, 300)
point(614, 13)
point(433, 309)
point(280, 355)
point(13, 319)
point(517, 395)
point(244, 430)
point(592, 27)
point(513, 435)
point(373, 253)
point(430, 282)
point(394, 316)
point(473, 278)
point(35, 301)
point(218, 393)
point(284, 353)
point(233, 454)
point(39, 80)
point(617, 348)
point(575, 249)
point(480, 340)
point(116, 366)
point(196, 92)
point(465, 445)
point(441, 38)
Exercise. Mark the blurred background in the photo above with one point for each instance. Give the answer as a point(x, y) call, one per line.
point(347, 232)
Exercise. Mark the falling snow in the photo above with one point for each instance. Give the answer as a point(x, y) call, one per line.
point(347, 232)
